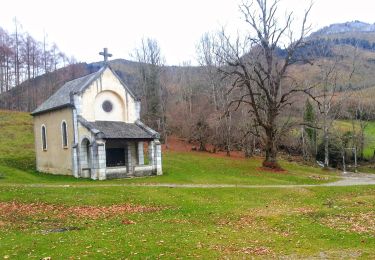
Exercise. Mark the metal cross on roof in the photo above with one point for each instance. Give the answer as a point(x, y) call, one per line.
point(105, 54)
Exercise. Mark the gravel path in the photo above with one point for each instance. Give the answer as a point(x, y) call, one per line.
point(348, 179)
point(354, 179)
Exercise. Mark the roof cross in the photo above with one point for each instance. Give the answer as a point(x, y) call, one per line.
point(105, 54)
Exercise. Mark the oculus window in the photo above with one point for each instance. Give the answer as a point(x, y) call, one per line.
point(107, 106)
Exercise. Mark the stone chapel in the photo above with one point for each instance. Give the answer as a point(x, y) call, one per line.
point(91, 128)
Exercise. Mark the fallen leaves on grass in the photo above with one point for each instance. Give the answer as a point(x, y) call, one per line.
point(261, 250)
point(318, 178)
point(127, 222)
point(243, 222)
point(281, 209)
point(255, 218)
point(94, 212)
point(252, 250)
point(16, 210)
point(353, 222)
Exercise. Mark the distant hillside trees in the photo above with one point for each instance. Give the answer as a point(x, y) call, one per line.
point(323, 48)
point(223, 122)
point(23, 58)
point(152, 88)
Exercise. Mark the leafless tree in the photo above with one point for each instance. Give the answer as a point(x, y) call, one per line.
point(335, 89)
point(260, 74)
point(206, 51)
point(153, 90)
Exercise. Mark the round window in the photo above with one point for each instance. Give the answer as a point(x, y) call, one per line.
point(107, 106)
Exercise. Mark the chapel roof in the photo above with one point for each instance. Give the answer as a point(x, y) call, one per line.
point(120, 130)
point(62, 97)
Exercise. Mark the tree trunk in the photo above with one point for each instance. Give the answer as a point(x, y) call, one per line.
point(202, 146)
point(362, 143)
point(326, 147)
point(271, 152)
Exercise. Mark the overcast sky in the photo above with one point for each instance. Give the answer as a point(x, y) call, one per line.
point(81, 28)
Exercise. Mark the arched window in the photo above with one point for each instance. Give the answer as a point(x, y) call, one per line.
point(44, 138)
point(64, 133)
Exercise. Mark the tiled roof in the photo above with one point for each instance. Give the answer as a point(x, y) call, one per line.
point(61, 98)
point(120, 130)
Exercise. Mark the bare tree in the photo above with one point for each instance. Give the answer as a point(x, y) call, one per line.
point(260, 74)
point(154, 93)
point(218, 93)
point(335, 88)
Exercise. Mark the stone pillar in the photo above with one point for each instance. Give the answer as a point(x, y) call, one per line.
point(129, 162)
point(151, 153)
point(141, 157)
point(101, 171)
point(94, 161)
point(75, 156)
point(158, 162)
point(98, 160)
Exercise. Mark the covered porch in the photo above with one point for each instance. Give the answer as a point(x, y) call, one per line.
point(128, 158)
point(118, 150)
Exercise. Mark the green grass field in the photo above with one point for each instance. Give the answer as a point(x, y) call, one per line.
point(92, 222)
point(369, 136)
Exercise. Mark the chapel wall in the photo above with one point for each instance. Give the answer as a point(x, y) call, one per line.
point(56, 159)
point(108, 87)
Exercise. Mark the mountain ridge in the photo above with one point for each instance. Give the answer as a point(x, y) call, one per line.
point(346, 27)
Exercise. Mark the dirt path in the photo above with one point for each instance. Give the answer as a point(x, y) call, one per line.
point(353, 179)
point(349, 179)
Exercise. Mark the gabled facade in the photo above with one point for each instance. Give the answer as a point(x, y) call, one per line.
point(91, 128)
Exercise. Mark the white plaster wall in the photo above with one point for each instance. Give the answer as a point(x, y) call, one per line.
point(117, 113)
point(108, 87)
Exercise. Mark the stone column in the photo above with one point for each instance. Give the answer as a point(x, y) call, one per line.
point(129, 163)
point(98, 160)
point(101, 171)
point(151, 153)
point(158, 163)
point(75, 156)
point(93, 161)
point(141, 157)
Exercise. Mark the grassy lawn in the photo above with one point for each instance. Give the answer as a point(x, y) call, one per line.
point(206, 223)
point(190, 168)
point(91, 222)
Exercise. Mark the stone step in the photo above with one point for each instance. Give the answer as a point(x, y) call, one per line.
point(116, 175)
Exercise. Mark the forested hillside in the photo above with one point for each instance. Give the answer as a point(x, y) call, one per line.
point(194, 101)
